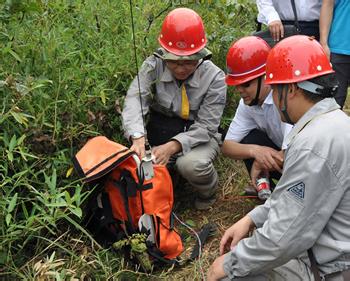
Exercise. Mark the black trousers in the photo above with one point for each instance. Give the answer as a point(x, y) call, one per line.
point(309, 28)
point(341, 65)
point(260, 138)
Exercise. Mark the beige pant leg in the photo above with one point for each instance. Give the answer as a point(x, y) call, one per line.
point(197, 167)
point(294, 270)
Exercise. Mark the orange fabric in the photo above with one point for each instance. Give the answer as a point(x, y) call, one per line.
point(157, 201)
point(95, 151)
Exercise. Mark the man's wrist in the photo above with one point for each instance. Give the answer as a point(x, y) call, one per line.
point(136, 135)
point(174, 146)
point(251, 151)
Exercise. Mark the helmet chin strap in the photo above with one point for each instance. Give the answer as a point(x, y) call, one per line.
point(281, 89)
point(255, 101)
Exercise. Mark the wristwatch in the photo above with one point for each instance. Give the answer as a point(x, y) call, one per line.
point(136, 135)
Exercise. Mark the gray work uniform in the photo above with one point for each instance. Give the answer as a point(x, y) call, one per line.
point(310, 207)
point(206, 92)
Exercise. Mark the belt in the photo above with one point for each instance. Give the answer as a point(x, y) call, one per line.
point(337, 275)
point(301, 22)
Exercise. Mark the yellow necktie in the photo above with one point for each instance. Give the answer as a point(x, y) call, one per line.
point(185, 106)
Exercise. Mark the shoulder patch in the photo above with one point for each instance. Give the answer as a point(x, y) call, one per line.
point(297, 190)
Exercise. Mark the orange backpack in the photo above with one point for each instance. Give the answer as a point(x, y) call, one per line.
point(127, 198)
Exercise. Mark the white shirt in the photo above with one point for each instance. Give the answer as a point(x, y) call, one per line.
point(272, 10)
point(265, 118)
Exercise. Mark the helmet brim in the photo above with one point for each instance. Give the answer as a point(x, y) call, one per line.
point(203, 53)
point(236, 81)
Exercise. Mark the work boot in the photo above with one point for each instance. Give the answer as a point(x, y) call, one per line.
point(202, 204)
point(250, 190)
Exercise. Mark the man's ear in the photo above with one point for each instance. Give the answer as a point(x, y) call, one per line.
point(293, 90)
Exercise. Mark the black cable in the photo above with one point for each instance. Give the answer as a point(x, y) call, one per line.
point(137, 70)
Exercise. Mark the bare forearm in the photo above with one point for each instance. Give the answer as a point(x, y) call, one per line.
point(326, 17)
point(237, 150)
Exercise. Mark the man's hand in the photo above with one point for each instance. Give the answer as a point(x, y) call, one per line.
point(216, 270)
point(138, 145)
point(326, 50)
point(256, 172)
point(268, 158)
point(276, 30)
point(235, 233)
point(163, 152)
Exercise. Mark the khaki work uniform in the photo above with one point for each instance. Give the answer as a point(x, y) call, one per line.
point(309, 208)
point(206, 92)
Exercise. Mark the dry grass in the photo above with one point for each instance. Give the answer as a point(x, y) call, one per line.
point(228, 208)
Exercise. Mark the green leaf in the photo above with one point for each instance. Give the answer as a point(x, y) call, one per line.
point(8, 219)
point(103, 97)
point(12, 203)
point(20, 118)
point(76, 211)
point(25, 211)
point(68, 198)
point(10, 156)
point(191, 223)
point(51, 181)
point(13, 143)
point(22, 154)
point(62, 203)
point(15, 55)
point(21, 139)
point(52, 257)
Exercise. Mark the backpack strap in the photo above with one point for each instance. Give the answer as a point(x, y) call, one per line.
point(128, 187)
point(101, 223)
point(123, 187)
point(158, 255)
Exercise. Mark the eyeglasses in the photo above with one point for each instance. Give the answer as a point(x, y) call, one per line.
point(188, 64)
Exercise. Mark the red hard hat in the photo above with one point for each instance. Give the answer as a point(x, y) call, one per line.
point(182, 32)
point(295, 59)
point(246, 60)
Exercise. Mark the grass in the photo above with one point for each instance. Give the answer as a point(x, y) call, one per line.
point(64, 71)
point(228, 208)
point(65, 68)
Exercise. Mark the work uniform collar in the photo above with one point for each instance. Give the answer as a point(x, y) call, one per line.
point(192, 81)
point(321, 107)
point(268, 100)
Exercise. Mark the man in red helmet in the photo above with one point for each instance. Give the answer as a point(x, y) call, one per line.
point(184, 94)
point(256, 132)
point(303, 230)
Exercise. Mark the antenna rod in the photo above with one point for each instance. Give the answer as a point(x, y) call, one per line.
point(146, 163)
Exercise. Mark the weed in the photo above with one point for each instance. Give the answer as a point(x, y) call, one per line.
point(64, 71)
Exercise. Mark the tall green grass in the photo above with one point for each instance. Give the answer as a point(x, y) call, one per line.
point(65, 67)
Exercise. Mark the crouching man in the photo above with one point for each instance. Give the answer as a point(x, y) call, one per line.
point(256, 132)
point(307, 218)
point(184, 94)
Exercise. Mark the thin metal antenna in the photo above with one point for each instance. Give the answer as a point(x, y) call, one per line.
point(146, 165)
point(136, 63)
